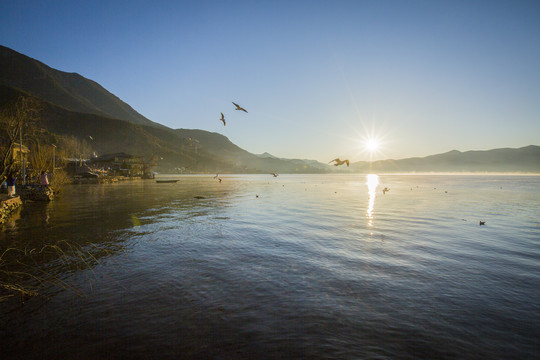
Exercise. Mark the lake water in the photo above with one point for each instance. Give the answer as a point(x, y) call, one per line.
point(293, 267)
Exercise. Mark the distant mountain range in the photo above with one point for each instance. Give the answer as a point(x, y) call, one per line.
point(75, 106)
point(525, 159)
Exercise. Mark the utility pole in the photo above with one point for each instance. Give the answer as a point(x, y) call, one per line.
point(53, 158)
point(21, 154)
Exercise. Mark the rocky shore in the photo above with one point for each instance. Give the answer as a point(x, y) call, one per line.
point(27, 193)
point(36, 193)
point(7, 206)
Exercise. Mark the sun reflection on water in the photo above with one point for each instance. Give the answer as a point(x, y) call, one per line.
point(372, 182)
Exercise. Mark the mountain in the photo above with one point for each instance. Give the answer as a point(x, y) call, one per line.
point(105, 135)
point(188, 150)
point(525, 159)
point(68, 90)
point(221, 146)
point(75, 106)
point(266, 155)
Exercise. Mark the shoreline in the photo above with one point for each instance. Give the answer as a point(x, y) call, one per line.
point(104, 180)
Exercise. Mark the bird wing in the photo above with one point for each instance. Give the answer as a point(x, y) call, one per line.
point(334, 160)
point(238, 107)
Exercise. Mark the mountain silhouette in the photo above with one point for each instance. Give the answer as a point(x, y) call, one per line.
point(524, 159)
point(68, 90)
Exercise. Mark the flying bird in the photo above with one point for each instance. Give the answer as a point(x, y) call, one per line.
point(340, 162)
point(385, 190)
point(222, 119)
point(238, 107)
point(275, 175)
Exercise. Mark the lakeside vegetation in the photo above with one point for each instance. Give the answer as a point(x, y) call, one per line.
point(26, 271)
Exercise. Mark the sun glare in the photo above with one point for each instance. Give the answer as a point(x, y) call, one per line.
point(372, 145)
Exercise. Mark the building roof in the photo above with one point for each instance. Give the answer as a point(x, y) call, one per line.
point(17, 147)
point(115, 157)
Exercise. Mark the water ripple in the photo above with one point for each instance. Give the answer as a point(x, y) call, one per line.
point(292, 268)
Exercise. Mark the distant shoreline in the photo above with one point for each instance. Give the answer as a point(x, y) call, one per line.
point(361, 173)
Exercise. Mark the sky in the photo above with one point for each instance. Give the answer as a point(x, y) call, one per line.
point(319, 79)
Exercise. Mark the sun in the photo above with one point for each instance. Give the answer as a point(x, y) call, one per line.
point(372, 145)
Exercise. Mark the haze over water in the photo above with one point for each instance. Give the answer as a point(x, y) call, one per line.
point(311, 266)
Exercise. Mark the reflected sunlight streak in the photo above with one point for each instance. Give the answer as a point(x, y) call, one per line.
point(372, 181)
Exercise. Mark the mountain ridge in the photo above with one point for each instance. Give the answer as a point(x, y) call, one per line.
point(69, 90)
point(80, 107)
point(523, 159)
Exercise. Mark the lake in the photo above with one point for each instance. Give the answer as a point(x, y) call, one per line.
point(288, 267)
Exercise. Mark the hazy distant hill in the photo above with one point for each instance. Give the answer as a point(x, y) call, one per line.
point(525, 159)
point(75, 106)
point(68, 90)
point(222, 147)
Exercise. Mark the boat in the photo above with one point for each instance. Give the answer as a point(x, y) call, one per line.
point(166, 181)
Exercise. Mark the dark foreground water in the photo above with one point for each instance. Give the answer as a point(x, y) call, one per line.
point(293, 267)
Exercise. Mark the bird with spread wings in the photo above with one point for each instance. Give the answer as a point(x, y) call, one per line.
point(222, 119)
point(238, 107)
point(340, 162)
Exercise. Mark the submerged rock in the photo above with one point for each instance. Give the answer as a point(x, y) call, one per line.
point(36, 193)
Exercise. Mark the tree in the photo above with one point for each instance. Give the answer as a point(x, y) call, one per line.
point(72, 147)
point(23, 113)
point(40, 158)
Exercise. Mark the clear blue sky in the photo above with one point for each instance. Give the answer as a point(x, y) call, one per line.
point(317, 77)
